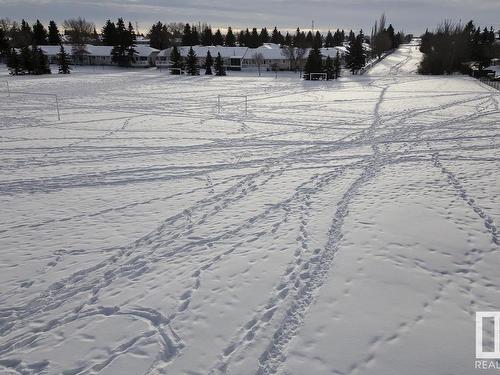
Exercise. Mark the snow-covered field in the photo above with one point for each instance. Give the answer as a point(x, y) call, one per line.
point(339, 228)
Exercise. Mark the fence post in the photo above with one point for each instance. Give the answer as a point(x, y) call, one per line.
point(57, 106)
point(218, 103)
point(8, 88)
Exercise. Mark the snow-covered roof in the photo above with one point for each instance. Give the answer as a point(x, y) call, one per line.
point(269, 51)
point(142, 50)
point(332, 51)
point(201, 51)
point(54, 50)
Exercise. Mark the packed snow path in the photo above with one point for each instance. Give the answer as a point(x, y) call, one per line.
point(341, 227)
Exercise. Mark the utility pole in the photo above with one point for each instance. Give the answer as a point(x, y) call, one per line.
point(312, 27)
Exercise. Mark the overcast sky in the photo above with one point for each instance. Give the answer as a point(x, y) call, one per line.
point(410, 15)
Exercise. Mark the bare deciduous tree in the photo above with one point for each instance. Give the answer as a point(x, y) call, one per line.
point(259, 60)
point(79, 30)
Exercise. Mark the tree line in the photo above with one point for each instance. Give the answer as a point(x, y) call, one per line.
point(454, 47)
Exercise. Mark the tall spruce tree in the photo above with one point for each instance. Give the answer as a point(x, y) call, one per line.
point(314, 64)
point(264, 36)
point(109, 34)
point(329, 41)
point(230, 40)
point(4, 43)
point(40, 62)
point(159, 36)
point(14, 63)
point(209, 62)
point(192, 63)
point(219, 66)
point(63, 61)
point(26, 59)
point(123, 52)
point(356, 55)
point(218, 39)
point(54, 38)
point(206, 37)
point(39, 34)
point(186, 35)
point(329, 69)
point(175, 61)
point(309, 40)
point(276, 36)
point(195, 37)
point(254, 40)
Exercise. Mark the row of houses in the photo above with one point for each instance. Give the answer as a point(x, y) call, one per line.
point(268, 56)
point(89, 54)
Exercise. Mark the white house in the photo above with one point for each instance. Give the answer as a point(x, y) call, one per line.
point(269, 56)
point(89, 54)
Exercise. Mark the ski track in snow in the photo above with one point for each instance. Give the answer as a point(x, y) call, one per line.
point(201, 192)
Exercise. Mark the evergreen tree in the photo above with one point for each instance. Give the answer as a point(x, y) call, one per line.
point(309, 41)
point(318, 40)
point(26, 60)
point(230, 38)
point(338, 38)
point(209, 62)
point(109, 34)
point(264, 36)
point(288, 40)
point(299, 39)
point(23, 36)
point(314, 64)
point(218, 39)
point(206, 37)
point(329, 41)
point(337, 66)
point(329, 68)
point(192, 63)
point(123, 52)
point(254, 40)
point(186, 35)
point(356, 56)
point(14, 62)
point(352, 36)
point(40, 62)
point(242, 39)
point(39, 34)
point(392, 37)
point(63, 61)
point(276, 36)
point(131, 38)
point(175, 61)
point(195, 37)
point(54, 38)
point(159, 36)
point(4, 43)
point(219, 66)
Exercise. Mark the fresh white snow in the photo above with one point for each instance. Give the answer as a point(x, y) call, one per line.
point(342, 227)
